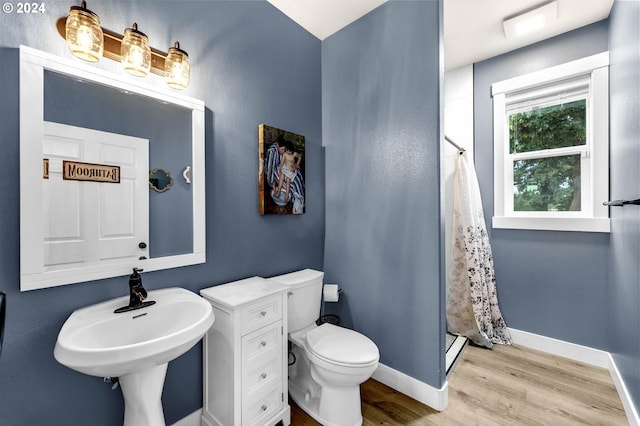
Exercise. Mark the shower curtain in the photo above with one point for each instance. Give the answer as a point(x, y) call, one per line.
point(472, 299)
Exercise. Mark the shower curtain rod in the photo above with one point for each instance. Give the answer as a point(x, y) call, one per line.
point(461, 149)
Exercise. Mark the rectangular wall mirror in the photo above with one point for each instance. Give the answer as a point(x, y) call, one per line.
point(75, 117)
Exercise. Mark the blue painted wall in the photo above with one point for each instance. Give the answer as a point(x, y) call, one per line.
point(381, 127)
point(550, 283)
point(251, 65)
point(625, 183)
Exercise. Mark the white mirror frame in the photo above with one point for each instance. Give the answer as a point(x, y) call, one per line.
point(33, 63)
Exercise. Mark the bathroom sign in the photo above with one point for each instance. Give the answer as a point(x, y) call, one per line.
point(73, 170)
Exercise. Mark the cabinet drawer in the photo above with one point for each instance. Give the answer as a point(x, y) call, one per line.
point(261, 314)
point(260, 379)
point(262, 345)
point(260, 411)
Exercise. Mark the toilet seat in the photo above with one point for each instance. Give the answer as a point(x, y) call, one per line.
point(341, 346)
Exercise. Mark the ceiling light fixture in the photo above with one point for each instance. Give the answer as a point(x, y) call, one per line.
point(531, 20)
point(88, 41)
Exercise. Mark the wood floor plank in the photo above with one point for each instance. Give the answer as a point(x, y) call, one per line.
point(507, 386)
point(382, 402)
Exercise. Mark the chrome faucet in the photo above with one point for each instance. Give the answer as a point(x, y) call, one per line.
point(137, 293)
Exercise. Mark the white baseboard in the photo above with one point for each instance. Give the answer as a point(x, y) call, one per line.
point(192, 419)
point(629, 409)
point(420, 391)
point(561, 348)
point(584, 354)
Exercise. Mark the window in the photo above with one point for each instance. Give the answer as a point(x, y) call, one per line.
point(551, 148)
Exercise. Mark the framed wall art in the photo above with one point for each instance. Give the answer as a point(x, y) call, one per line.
point(281, 181)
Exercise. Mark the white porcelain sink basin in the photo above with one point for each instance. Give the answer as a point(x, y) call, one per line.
point(98, 342)
point(135, 346)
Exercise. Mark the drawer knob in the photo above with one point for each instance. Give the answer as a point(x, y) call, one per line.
point(263, 313)
point(263, 375)
point(263, 343)
point(264, 408)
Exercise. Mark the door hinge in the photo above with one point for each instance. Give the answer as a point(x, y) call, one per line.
point(282, 395)
point(282, 330)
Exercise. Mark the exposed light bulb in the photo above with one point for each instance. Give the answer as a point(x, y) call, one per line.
point(84, 34)
point(135, 52)
point(177, 68)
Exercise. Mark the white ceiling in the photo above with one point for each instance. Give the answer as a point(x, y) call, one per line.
point(324, 17)
point(472, 28)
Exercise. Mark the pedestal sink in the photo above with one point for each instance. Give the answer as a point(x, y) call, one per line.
point(135, 346)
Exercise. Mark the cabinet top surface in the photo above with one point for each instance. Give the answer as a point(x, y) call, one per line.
point(241, 292)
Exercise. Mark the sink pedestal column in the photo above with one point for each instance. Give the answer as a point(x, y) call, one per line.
point(142, 392)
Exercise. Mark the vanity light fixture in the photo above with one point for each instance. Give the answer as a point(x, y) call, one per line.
point(135, 53)
point(176, 67)
point(88, 41)
point(84, 34)
point(530, 21)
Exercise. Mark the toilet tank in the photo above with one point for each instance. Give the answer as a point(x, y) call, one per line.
point(304, 297)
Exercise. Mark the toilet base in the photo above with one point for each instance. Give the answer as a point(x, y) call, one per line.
point(339, 406)
point(311, 405)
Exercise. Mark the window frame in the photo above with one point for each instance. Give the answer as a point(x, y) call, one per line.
point(588, 76)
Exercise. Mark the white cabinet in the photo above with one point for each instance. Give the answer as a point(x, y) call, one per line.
point(245, 355)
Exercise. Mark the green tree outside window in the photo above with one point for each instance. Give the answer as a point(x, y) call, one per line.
point(551, 183)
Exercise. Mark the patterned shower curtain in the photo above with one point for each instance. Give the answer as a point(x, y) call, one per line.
point(472, 299)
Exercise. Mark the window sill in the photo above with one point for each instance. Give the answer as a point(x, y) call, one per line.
point(553, 224)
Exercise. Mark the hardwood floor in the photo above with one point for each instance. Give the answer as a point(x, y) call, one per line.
point(510, 385)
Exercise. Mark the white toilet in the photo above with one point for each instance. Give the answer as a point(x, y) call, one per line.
point(327, 363)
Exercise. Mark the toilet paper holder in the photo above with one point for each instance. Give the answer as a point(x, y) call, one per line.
point(331, 292)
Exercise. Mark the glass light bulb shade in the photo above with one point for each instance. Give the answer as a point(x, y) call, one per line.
point(176, 68)
point(84, 34)
point(135, 52)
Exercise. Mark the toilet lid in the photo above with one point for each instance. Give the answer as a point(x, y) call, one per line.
point(341, 345)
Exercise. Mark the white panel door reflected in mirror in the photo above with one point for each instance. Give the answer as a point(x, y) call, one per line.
point(93, 220)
